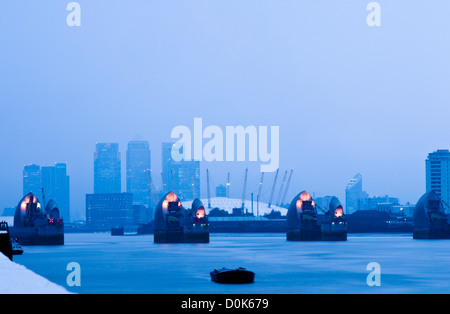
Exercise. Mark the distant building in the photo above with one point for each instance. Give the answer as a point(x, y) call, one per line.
point(181, 177)
point(355, 197)
point(107, 166)
point(138, 168)
point(385, 207)
point(186, 176)
point(106, 210)
point(166, 149)
point(168, 172)
point(141, 214)
point(32, 180)
point(404, 210)
point(56, 184)
point(372, 202)
point(438, 174)
point(221, 191)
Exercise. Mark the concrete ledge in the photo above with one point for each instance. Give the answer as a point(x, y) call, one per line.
point(17, 279)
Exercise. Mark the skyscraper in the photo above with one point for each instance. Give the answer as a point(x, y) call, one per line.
point(32, 180)
point(56, 185)
point(186, 176)
point(107, 166)
point(138, 163)
point(438, 174)
point(181, 177)
point(355, 197)
point(166, 163)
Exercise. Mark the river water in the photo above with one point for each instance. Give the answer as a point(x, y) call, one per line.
point(134, 264)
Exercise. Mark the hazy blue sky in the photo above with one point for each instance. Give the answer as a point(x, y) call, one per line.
point(348, 97)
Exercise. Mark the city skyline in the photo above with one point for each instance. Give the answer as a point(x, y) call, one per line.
point(347, 97)
point(49, 183)
point(225, 148)
point(236, 187)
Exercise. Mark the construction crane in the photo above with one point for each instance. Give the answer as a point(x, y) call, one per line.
point(260, 185)
point(245, 188)
point(287, 187)
point(208, 188)
point(273, 187)
point(281, 188)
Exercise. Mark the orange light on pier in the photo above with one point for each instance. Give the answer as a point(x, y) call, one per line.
point(27, 199)
point(305, 196)
point(200, 213)
point(339, 212)
point(171, 197)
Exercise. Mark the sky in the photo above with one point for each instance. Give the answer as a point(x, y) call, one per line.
point(348, 98)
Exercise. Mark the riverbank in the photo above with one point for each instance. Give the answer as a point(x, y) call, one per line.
point(17, 279)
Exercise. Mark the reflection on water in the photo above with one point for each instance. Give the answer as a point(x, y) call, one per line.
point(134, 264)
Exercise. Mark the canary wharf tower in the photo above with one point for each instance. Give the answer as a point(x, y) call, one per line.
point(107, 165)
point(138, 163)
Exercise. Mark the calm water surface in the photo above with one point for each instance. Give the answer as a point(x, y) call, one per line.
point(134, 264)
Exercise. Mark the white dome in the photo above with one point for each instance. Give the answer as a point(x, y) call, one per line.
point(229, 203)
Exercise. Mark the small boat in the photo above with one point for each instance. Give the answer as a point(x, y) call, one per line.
point(16, 248)
point(117, 231)
point(227, 275)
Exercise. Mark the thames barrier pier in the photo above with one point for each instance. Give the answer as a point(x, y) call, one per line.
point(34, 225)
point(430, 220)
point(334, 225)
point(174, 224)
point(302, 219)
point(303, 223)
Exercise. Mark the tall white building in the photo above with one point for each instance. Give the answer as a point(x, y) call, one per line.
point(438, 174)
point(355, 197)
